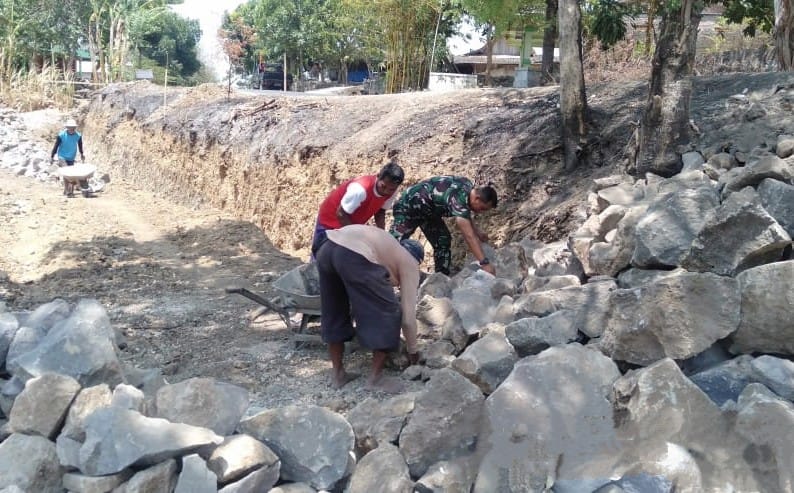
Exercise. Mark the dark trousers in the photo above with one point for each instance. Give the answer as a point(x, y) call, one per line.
point(436, 232)
point(353, 288)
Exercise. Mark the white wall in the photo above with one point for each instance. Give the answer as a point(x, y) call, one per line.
point(450, 82)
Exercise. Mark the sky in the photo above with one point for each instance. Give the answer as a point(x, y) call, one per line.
point(209, 14)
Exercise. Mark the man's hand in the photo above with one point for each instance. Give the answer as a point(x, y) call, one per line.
point(489, 269)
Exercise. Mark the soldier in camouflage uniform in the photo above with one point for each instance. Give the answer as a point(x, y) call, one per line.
point(424, 206)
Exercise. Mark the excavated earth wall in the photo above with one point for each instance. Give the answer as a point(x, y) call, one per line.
point(271, 158)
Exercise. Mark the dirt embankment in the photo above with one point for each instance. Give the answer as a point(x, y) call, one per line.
point(271, 160)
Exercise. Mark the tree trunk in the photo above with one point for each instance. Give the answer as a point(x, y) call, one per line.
point(664, 127)
point(573, 101)
point(489, 57)
point(549, 41)
point(784, 33)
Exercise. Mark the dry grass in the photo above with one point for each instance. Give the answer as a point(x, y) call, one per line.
point(624, 61)
point(29, 91)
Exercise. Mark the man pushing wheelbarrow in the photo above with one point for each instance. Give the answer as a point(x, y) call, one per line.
point(67, 144)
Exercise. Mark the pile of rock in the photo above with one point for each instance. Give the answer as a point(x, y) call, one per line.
point(19, 153)
point(648, 352)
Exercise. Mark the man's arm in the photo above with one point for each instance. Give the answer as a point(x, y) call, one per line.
point(380, 219)
point(80, 147)
point(466, 227)
point(344, 217)
point(55, 147)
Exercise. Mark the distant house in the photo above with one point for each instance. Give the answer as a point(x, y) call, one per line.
point(144, 74)
point(513, 54)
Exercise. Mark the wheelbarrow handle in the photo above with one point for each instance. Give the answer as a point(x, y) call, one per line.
point(283, 313)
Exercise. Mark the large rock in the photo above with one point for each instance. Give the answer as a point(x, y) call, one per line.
point(778, 200)
point(377, 422)
point(588, 301)
point(41, 408)
point(160, 477)
point(382, 469)
point(437, 318)
point(195, 476)
point(610, 258)
point(534, 334)
point(767, 295)
point(313, 443)
point(666, 231)
point(767, 422)
point(551, 418)
point(473, 301)
point(81, 346)
point(30, 462)
point(657, 407)
point(444, 422)
point(118, 438)
point(203, 402)
point(487, 362)
point(239, 455)
point(751, 175)
point(739, 235)
point(676, 317)
point(72, 435)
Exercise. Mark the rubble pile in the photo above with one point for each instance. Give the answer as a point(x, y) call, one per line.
point(649, 351)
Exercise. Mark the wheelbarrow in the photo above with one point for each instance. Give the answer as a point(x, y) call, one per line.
point(77, 174)
point(297, 292)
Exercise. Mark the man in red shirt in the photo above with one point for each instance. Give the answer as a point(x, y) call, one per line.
point(358, 200)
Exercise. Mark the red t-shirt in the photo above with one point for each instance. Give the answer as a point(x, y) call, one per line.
point(363, 213)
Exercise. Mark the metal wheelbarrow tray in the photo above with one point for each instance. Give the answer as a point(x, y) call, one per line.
point(297, 292)
point(78, 174)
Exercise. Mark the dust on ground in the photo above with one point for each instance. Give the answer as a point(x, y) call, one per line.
point(160, 267)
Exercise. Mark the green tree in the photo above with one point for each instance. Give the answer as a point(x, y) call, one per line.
point(169, 41)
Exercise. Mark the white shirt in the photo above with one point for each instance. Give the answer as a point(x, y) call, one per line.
point(355, 195)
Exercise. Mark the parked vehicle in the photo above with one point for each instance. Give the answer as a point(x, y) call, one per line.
point(273, 77)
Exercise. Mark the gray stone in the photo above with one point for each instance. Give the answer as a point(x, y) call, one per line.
point(72, 436)
point(293, 488)
point(634, 278)
point(260, 480)
point(239, 455)
point(195, 476)
point(534, 334)
point(785, 146)
point(473, 301)
point(455, 476)
point(439, 354)
point(722, 160)
point(79, 483)
point(555, 404)
point(538, 283)
point(436, 318)
point(160, 478)
point(41, 408)
point(754, 173)
point(767, 295)
point(677, 317)
point(8, 329)
point(766, 421)
point(375, 422)
point(487, 362)
point(588, 301)
point(437, 285)
point(30, 463)
point(81, 346)
point(611, 258)
point(203, 402)
point(665, 233)
point(146, 441)
point(692, 161)
point(128, 397)
point(672, 429)
point(738, 236)
point(777, 374)
point(313, 443)
point(726, 381)
point(443, 423)
point(778, 200)
point(382, 469)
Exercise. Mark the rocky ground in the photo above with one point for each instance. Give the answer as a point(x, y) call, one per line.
point(157, 248)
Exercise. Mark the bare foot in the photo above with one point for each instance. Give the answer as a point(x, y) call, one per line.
point(390, 385)
point(341, 379)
